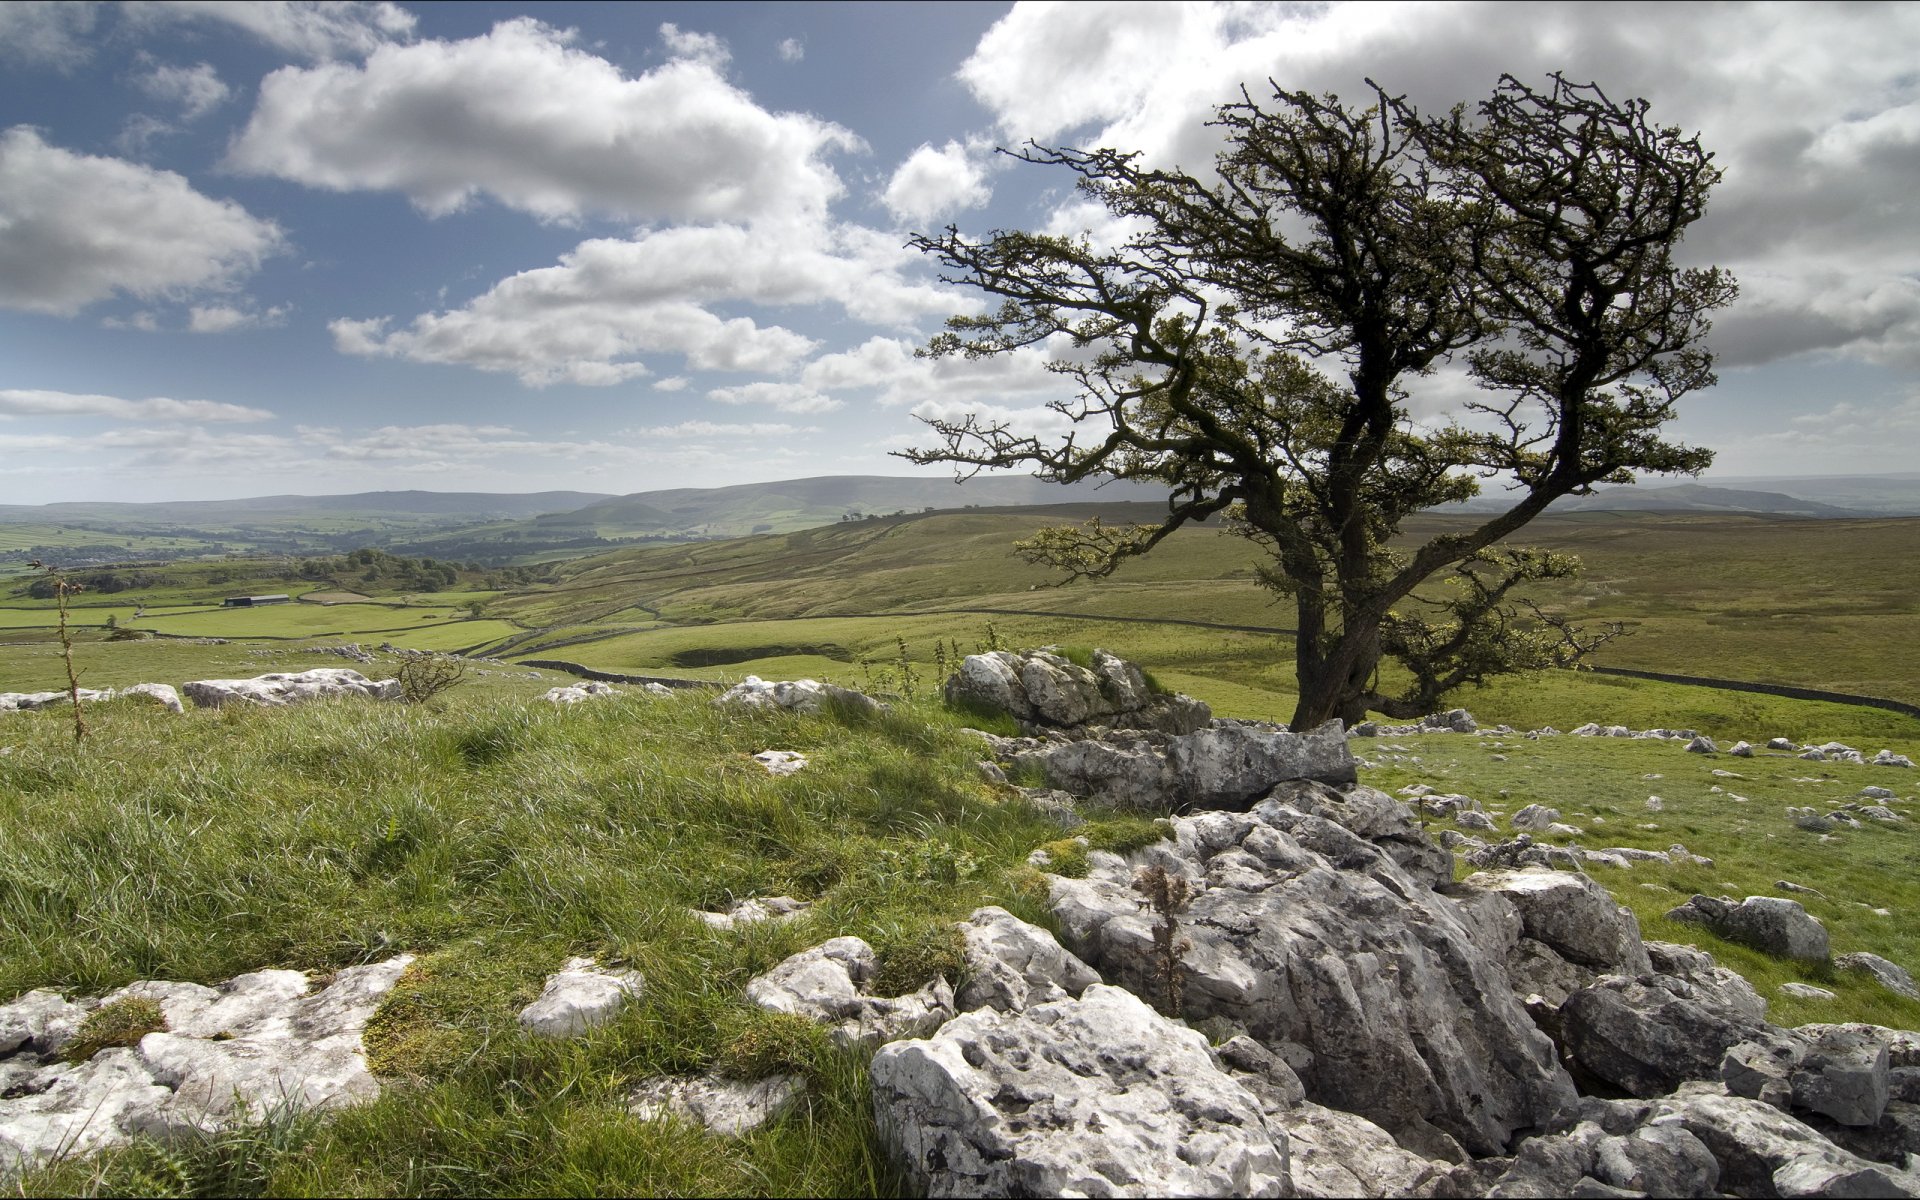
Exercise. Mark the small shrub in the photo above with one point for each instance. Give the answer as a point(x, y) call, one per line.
point(126, 634)
point(912, 958)
point(122, 1023)
point(758, 1043)
point(425, 676)
point(1166, 895)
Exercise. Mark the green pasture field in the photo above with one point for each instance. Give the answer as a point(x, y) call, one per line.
point(1829, 604)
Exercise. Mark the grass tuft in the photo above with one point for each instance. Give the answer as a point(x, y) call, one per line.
point(121, 1023)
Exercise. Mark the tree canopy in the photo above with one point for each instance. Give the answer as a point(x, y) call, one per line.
point(1251, 343)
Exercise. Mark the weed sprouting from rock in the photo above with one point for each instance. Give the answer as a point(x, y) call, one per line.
point(1167, 895)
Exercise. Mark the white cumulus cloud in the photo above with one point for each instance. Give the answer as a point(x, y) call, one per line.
point(76, 228)
point(47, 33)
point(932, 183)
point(522, 116)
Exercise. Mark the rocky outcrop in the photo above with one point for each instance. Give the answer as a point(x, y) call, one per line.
point(578, 997)
point(1098, 1095)
point(796, 695)
point(1888, 974)
point(832, 984)
point(1043, 690)
point(1012, 965)
point(1305, 931)
point(258, 1044)
point(577, 693)
point(159, 693)
point(1227, 766)
point(281, 688)
point(1572, 915)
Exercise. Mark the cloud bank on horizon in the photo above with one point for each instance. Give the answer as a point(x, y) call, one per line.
point(593, 248)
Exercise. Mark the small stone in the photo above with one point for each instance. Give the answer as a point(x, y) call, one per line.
point(1805, 991)
point(1702, 745)
point(781, 762)
point(727, 1107)
point(578, 997)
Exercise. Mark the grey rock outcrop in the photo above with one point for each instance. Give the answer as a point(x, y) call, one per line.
point(283, 687)
point(261, 1043)
point(1043, 690)
point(1647, 1035)
point(1307, 931)
point(1094, 1096)
point(1573, 915)
point(1227, 766)
point(796, 695)
point(1770, 924)
point(832, 984)
point(1013, 965)
point(578, 997)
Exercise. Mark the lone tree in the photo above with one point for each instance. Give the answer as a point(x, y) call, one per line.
point(1250, 348)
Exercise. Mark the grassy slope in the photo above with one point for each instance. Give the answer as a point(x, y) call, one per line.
point(497, 836)
point(1831, 604)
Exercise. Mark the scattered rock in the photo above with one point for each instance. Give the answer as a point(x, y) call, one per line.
point(577, 692)
point(1094, 1096)
point(1741, 750)
point(290, 688)
point(781, 762)
point(831, 984)
point(751, 911)
point(1769, 924)
point(580, 996)
point(1887, 758)
point(727, 1107)
point(1806, 991)
point(1780, 743)
point(1891, 975)
point(1534, 818)
point(1702, 745)
point(797, 695)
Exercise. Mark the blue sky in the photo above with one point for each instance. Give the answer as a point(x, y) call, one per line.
point(251, 248)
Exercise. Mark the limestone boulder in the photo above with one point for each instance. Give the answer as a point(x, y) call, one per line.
point(578, 693)
point(1304, 932)
point(1098, 1095)
point(282, 688)
point(1043, 690)
point(1573, 915)
point(1229, 766)
point(752, 911)
point(1646, 1036)
point(794, 695)
point(1013, 965)
point(1770, 924)
point(1765, 1152)
point(832, 984)
point(1888, 974)
point(1339, 1154)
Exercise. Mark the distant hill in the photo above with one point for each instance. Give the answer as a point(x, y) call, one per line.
point(1884, 495)
point(789, 504)
point(1679, 498)
point(476, 506)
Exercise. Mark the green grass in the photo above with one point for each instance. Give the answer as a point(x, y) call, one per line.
point(495, 837)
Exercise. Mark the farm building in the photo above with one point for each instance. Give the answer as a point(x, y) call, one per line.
point(255, 601)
